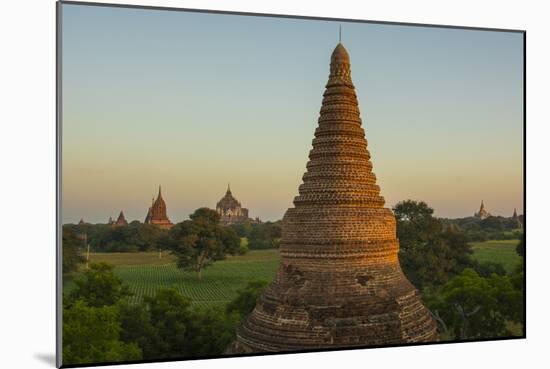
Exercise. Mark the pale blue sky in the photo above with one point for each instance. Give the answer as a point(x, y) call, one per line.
point(193, 101)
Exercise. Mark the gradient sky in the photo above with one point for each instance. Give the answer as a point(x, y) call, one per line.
point(193, 101)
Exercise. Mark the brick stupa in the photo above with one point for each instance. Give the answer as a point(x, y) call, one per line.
point(157, 214)
point(339, 282)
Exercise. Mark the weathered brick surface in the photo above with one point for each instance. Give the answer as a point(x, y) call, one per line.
point(339, 283)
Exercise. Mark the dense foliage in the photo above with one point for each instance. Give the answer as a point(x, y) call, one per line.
point(470, 306)
point(491, 228)
point(469, 299)
point(105, 238)
point(245, 302)
point(430, 252)
point(98, 286)
point(92, 335)
point(200, 241)
point(71, 249)
point(260, 236)
point(163, 326)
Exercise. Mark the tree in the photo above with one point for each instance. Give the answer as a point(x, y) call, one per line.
point(72, 257)
point(98, 286)
point(430, 253)
point(243, 247)
point(487, 268)
point(91, 335)
point(135, 237)
point(243, 229)
point(246, 298)
point(170, 317)
point(493, 223)
point(474, 307)
point(199, 242)
point(211, 330)
point(265, 236)
point(136, 327)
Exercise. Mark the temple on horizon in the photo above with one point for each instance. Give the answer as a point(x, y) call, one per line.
point(482, 213)
point(121, 221)
point(157, 214)
point(339, 282)
point(230, 209)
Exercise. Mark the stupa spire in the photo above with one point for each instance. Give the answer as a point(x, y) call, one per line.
point(157, 213)
point(339, 282)
point(121, 220)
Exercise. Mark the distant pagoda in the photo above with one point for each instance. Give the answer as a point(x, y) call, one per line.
point(121, 221)
point(230, 209)
point(482, 213)
point(516, 220)
point(339, 282)
point(157, 214)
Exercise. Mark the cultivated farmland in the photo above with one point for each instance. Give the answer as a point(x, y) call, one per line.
point(144, 273)
point(503, 252)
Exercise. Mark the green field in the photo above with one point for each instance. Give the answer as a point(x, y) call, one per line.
point(144, 273)
point(503, 252)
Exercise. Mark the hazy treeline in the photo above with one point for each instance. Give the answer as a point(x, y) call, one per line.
point(491, 228)
point(138, 236)
point(260, 236)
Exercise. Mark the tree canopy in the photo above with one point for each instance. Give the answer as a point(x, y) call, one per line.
point(71, 249)
point(430, 252)
point(472, 307)
point(92, 335)
point(200, 241)
point(134, 237)
point(108, 328)
point(98, 286)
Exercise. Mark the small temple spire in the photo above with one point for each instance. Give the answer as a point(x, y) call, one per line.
point(157, 214)
point(340, 35)
point(228, 188)
point(121, 220)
